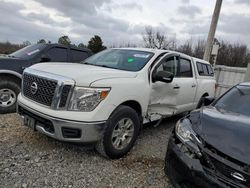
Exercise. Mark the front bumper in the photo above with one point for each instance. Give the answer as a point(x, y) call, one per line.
point(183, 169)
point(62, 129)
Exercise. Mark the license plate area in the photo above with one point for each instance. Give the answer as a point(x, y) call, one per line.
point(30, 122)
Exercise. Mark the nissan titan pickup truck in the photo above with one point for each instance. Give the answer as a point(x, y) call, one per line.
point(106, 99)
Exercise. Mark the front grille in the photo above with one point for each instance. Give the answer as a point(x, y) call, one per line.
point(227, 171)
point(45, 89)
point(64, 95)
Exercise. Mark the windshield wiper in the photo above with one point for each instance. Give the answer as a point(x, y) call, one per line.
point(11, 56)
point(87, 63)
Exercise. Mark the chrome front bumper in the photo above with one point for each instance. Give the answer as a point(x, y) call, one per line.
point(88, 132)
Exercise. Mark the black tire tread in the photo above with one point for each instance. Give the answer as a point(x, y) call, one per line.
point(13, 84)
point(100, 147)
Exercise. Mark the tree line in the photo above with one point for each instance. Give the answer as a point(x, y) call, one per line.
point(230, 54)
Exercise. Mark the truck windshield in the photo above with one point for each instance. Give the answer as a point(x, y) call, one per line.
point(122, 59)
point(28, 51)
point(237, 100)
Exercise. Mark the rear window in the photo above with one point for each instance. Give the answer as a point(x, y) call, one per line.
point(204, 69)
point(78, 55)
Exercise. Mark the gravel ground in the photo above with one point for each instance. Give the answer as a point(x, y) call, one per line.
point(29, 159)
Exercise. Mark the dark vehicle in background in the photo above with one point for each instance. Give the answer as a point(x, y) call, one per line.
point(210, 147)
point(12, 66)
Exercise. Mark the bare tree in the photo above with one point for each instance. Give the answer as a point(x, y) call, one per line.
point(236, 55)
point(156, 39)
point(186, 48)
point(199, 48)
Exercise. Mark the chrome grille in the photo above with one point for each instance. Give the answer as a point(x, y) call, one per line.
point(64, 95)
point(45, 89)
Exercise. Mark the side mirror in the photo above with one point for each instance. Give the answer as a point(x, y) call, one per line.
point(163, 76)
point(45, 58)
point(205, 101)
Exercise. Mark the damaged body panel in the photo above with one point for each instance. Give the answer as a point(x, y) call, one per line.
point(184, 91)
point(222, 130)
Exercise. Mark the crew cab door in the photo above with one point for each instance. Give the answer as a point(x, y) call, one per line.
point(175, 97)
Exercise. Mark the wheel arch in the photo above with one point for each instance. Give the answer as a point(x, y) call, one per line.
point(134, 105)
point(205, 94)
point(11, 75)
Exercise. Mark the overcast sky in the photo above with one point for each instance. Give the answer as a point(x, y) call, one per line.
point(120, 21)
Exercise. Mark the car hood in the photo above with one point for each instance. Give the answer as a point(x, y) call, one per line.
point(226, 131)
point(6, 58)
point(84, 75)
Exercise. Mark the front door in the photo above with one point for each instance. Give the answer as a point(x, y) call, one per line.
point(172, 98)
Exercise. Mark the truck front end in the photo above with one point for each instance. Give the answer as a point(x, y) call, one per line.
point(50, 104)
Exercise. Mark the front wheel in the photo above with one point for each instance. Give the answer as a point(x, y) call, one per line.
point(121, 132)
point(9, 90)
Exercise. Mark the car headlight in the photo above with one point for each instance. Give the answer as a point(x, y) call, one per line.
point(187, 136)
point(87, 99)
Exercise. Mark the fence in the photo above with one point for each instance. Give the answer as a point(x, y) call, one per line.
point(226, 77)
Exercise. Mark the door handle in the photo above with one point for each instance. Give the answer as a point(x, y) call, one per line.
point(194, 85)
point(176, 87)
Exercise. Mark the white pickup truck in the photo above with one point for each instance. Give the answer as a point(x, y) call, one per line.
point(107, 98)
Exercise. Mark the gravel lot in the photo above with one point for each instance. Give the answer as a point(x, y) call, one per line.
point(30, 159)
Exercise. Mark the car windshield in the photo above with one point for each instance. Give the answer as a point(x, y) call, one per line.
point(130, 60)
point(237, 100)
point(28, 51)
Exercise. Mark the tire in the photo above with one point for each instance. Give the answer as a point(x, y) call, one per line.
point(109, 145)
point(201, 102)
point(9, 90)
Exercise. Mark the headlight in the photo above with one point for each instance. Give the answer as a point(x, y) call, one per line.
point(87, 99)
point(186, 135)
point(184, 131)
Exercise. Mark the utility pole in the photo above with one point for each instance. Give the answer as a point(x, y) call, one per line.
point(210, 38)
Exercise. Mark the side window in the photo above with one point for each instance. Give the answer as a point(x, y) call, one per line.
point(185, 68)
point(200, 68)
point(58, 54)
point(210, 70)
point(204, 69)
point(169, 65)
point(78, 55)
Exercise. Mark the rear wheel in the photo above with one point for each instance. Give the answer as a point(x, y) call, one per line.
point(9, 89)
point(121, 132)
point(201, 101)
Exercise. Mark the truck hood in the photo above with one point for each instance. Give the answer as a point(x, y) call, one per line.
point(226, 131)
point(84, 75)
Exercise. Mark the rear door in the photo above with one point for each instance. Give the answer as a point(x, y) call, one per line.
point(187, 85)
point(175, 97)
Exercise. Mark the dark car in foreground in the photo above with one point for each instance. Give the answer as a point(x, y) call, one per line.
point(12, 66)
point(210, 147)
